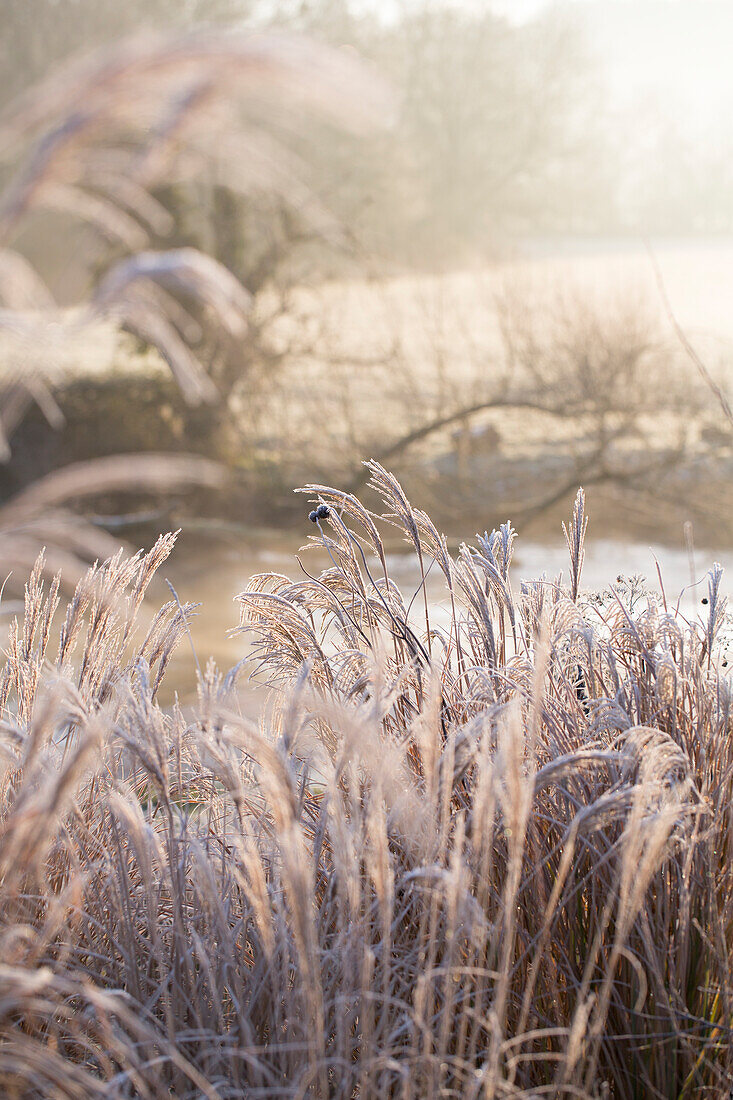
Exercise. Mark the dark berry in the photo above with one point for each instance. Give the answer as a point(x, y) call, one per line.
point(704, 599)
point(323, 511)
point(313, 516)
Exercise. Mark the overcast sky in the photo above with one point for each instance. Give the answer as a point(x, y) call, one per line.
point(674, 54)
point(523, 9)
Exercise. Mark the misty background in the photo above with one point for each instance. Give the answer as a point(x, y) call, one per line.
point(585, 117)
point(515, 280)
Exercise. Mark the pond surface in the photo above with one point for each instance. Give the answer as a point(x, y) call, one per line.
point(213, 575)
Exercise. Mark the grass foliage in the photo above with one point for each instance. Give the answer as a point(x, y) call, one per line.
point(490, 858)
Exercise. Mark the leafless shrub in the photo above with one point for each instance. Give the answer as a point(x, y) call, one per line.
point(532, 390)
point(487, 860)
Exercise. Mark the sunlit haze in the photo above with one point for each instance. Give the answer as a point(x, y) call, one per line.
point(366, 543)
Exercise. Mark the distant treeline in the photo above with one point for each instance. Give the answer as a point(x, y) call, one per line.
point(500, 131)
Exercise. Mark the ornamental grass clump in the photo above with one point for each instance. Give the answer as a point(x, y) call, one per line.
point(484, 859)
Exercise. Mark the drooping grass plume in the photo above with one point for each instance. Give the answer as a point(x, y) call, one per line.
point(97, 138)
point(41, 514)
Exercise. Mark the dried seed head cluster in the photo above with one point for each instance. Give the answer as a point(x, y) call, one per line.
point(487, 858)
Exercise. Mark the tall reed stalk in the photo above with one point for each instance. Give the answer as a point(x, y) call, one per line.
point(491, 859)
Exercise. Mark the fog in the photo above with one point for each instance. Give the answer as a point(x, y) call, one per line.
point(366, 527)
point(488, 245)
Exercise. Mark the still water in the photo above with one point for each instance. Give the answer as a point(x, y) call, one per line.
point(213, 576)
